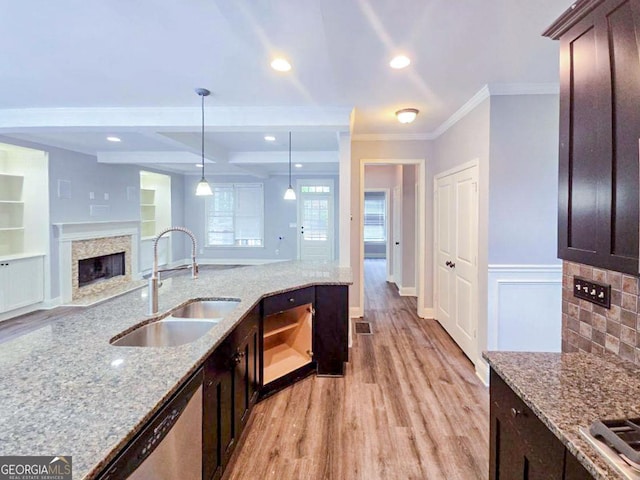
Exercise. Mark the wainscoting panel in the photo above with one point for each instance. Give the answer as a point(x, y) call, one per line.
point(525, 308)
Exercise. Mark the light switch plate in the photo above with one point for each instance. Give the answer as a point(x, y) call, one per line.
point(591, 291)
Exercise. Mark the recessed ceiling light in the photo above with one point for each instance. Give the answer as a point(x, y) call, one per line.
point(400, 61)
point(114, 139)
point(298, 165)
point(407, 115)
point(280, 64)
point(270, 138)
point(197, 165)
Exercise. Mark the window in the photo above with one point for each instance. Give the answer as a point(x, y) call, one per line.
point(235, 215)
point(374, 217)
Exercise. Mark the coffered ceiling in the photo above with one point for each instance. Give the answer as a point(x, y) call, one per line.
point(74, 71)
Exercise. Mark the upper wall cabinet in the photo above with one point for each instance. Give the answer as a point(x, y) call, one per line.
point(599, 133)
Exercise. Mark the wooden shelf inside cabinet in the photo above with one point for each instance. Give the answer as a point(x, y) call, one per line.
point(275, 324)
point(280, 360)
point(287, 341)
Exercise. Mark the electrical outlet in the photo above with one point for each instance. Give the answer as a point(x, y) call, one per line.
point(591, 291)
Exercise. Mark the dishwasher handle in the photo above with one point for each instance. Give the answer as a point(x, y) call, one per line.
point(145, 442)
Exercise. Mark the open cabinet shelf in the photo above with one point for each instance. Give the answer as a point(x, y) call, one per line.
point(287, 342)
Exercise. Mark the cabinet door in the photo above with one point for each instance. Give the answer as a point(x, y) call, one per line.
point(246, 371)
point(573, 469)
point(521, 446)
point(331, 329)
point(21, 282)
point(599, 132)
point(218, 427)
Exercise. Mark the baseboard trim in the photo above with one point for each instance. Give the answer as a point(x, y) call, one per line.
point(407, 291)
point(390, 279)
point(356, 312)
point(427, 313)
point(51, 303)
point(24, 310)
point(482, 371)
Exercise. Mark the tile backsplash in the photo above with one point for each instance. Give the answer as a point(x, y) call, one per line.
point(595, 329)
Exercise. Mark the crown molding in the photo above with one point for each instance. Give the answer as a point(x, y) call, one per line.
point(524, 88)
point(570, 17)
point(463, 111)
point(390, 137)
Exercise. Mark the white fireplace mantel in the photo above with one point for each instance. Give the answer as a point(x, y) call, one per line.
point(71, 231)
point(75, 231)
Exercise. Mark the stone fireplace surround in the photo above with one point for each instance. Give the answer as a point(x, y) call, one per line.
point(80, 240)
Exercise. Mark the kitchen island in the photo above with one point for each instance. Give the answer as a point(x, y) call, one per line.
point(67, 391)
point(567, 391)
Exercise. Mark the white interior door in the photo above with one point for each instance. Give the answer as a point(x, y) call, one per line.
point(456, 257)
point(315, 220)
point(397, 235)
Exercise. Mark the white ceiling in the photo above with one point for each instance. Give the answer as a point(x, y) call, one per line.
point(74, 71)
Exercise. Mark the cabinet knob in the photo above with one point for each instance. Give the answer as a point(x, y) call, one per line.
point(292, 300)
point(448, 263)
point(515, 412)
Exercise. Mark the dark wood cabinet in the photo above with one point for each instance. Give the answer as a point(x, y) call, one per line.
point(598, 215)
point(521, 446)
point(331, 329)
point(230, 391)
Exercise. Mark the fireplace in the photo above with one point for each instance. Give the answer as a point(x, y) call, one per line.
point(100, 268)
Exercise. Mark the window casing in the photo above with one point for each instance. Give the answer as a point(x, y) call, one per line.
point(234, 215)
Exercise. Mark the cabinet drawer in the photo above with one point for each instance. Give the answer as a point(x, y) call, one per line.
point(285, 301)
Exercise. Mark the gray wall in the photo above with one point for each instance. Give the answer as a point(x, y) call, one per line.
point(86, 175)
point(523, 199)
point(278, 214)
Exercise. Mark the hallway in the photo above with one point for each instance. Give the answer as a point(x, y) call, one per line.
point(409, 407)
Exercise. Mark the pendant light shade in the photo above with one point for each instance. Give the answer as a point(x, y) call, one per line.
point(290, 194)
point(203, 187)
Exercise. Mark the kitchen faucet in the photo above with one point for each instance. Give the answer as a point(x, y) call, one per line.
point(154, 281)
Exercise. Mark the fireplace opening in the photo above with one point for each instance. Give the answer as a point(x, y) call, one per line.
point(96, 269)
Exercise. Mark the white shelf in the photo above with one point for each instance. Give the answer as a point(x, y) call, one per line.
point(11, 229)
point(12, 202)
point(148, 221)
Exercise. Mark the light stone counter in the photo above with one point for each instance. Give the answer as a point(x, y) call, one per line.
point(66, 391)
point(571, 390)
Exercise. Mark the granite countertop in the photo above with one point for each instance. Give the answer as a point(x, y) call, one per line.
point(66, 391)
point(571, 390)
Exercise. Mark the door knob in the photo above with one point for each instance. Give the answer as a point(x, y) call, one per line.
point(397, 243)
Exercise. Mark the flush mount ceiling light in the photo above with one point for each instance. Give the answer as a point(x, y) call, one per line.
point(280, 64)
point(114, 139)
point(269, 138)
point(203, 187)
point(407, 115)
point(400, 61)
point(298, 165)
point(290, 194)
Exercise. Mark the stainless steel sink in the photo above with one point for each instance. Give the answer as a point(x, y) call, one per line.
point(185, 325)
point(168, 332)
point(210, 309)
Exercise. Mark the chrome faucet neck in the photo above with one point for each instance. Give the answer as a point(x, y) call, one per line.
point(154, 281)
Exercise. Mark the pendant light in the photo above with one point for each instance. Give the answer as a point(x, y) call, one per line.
point(290, 194)
point(203, 187)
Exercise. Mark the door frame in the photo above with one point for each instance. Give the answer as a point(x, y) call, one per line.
point(332, 223)
point(387, 224)
point(436, 178)
point(421, 234)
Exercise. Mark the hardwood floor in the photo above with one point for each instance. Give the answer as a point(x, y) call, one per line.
point(409, 407)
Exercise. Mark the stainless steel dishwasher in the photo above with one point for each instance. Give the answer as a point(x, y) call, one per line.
point(170, 445)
